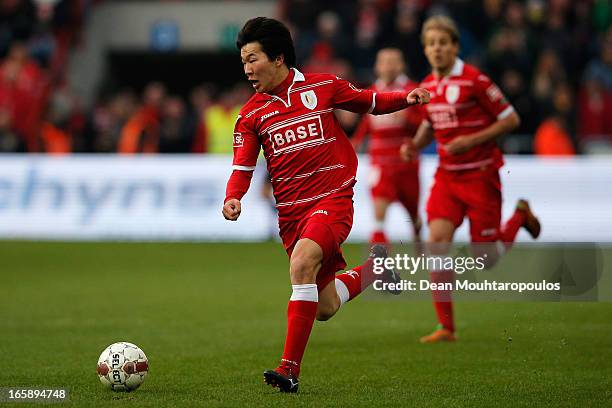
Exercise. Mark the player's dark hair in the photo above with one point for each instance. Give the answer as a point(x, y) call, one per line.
point(273, 36)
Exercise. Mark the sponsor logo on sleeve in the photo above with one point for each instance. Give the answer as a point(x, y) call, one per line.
point(494, 93)
point(238, 139)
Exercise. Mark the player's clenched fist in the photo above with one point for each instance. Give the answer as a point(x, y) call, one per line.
point(231, 209)
point(418, 96)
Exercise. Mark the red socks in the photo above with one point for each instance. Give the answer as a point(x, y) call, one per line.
point(443, 300)
point(301, 314)
point(508, 233)
point(379, 237)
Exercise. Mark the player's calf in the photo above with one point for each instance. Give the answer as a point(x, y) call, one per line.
point(329, 302)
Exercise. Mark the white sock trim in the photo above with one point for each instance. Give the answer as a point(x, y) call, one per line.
point(379, 226)
point(343, 292)
point(307, 292)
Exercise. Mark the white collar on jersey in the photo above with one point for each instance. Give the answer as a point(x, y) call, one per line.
point(457, 67)
point(297, 77)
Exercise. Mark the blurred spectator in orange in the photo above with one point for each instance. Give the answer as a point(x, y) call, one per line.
point(141, 133)
point(55, 134)
point(551, 139)
point(554, 135)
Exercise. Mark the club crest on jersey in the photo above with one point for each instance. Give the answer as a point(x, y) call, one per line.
point(452, 94)
point(309, 99)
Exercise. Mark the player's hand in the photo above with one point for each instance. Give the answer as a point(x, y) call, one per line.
point(408, 151)
point(458, 145)
point(231, 209)
point(418, 96)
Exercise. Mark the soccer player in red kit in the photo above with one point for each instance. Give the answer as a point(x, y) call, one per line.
point(466, 114)
point(312, 166)
point(391, 178)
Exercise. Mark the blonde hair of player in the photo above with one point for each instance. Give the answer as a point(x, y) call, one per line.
point(441, 22)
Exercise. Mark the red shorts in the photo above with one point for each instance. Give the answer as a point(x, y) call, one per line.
point(472, 193)
point(396, 183)
point(327, 223)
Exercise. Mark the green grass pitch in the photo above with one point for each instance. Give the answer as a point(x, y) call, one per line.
point(211, 318)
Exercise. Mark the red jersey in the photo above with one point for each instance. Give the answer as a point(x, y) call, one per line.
point(309, 157)
point(388, 132)
point(462, 103)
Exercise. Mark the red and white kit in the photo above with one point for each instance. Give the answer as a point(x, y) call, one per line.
point(390, 177)
point(466, 184)
point(311, 162)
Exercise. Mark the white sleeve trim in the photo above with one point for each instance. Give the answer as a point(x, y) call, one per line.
point(373, 103)
point(505, 113)
point(243, 168)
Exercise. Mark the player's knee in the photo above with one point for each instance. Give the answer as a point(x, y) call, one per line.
point(303, 269)
point(439, 238)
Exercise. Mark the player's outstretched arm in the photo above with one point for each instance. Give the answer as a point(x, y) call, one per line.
point(231, 209)
point(348, 97)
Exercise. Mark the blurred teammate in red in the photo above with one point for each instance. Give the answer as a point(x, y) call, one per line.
point(466, 114)
point(312, 167)
point(391, 178)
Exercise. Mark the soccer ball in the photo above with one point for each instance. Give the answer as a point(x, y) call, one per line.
point(122, 366)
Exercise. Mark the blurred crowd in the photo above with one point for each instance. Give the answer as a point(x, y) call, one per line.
point(552, 58)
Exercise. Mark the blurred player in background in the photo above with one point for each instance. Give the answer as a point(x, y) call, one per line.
point(391, 178)
point(466, 114)
point(312, 167)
